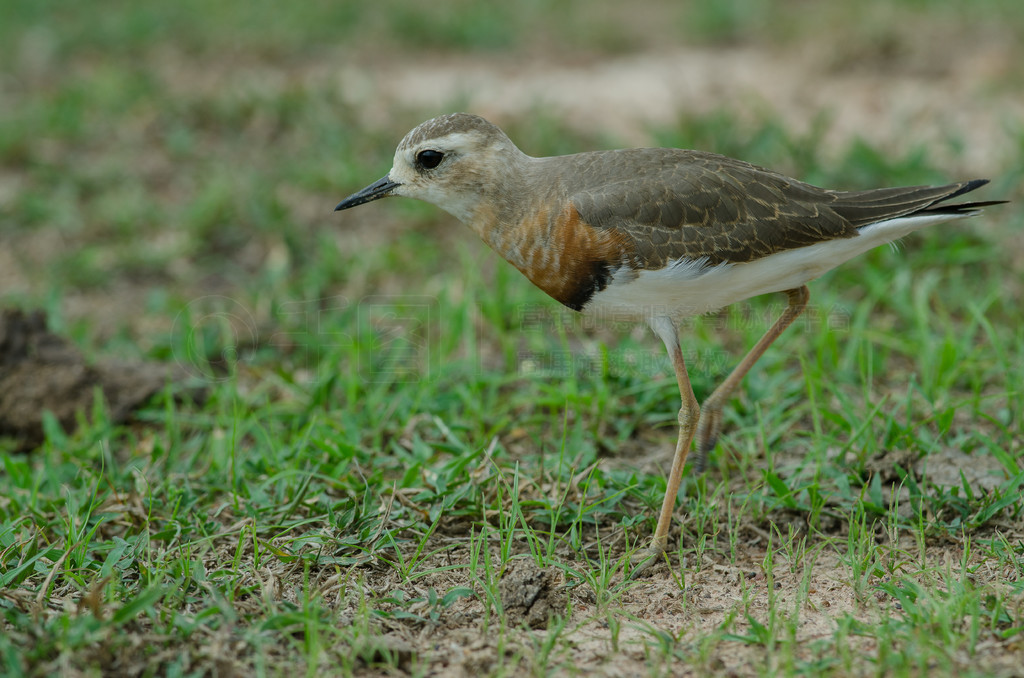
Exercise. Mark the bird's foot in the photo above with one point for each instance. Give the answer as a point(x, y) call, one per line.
point(643, 560)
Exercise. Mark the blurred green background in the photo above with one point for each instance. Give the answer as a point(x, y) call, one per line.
point(153, 152)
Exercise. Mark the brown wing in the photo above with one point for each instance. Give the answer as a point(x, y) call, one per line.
point(676, 203)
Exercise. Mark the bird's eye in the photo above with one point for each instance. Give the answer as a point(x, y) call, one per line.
point(429, 159)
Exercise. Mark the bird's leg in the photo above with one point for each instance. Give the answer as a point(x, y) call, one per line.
point(689, 414)
point(711, 417)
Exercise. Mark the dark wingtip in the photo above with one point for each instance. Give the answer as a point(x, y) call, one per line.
point(967, 187)
point(941, 206)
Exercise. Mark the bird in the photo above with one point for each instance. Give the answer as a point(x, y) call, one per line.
point(655, 235)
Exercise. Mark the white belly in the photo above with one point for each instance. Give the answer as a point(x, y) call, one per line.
point(688, 287)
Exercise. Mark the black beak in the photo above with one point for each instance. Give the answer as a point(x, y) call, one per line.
point(378, 189)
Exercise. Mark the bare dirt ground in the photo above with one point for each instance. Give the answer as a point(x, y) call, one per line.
point(41, 371)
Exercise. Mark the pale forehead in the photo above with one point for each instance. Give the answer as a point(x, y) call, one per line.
point(450, 130)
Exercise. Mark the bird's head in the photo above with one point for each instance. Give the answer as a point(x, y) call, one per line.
point(453, 161)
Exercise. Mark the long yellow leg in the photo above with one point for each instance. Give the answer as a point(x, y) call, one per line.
point(711, 415)
point(707, 424)
point(689, 415)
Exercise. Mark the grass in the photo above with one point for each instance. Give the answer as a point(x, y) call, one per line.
point(393, 417)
